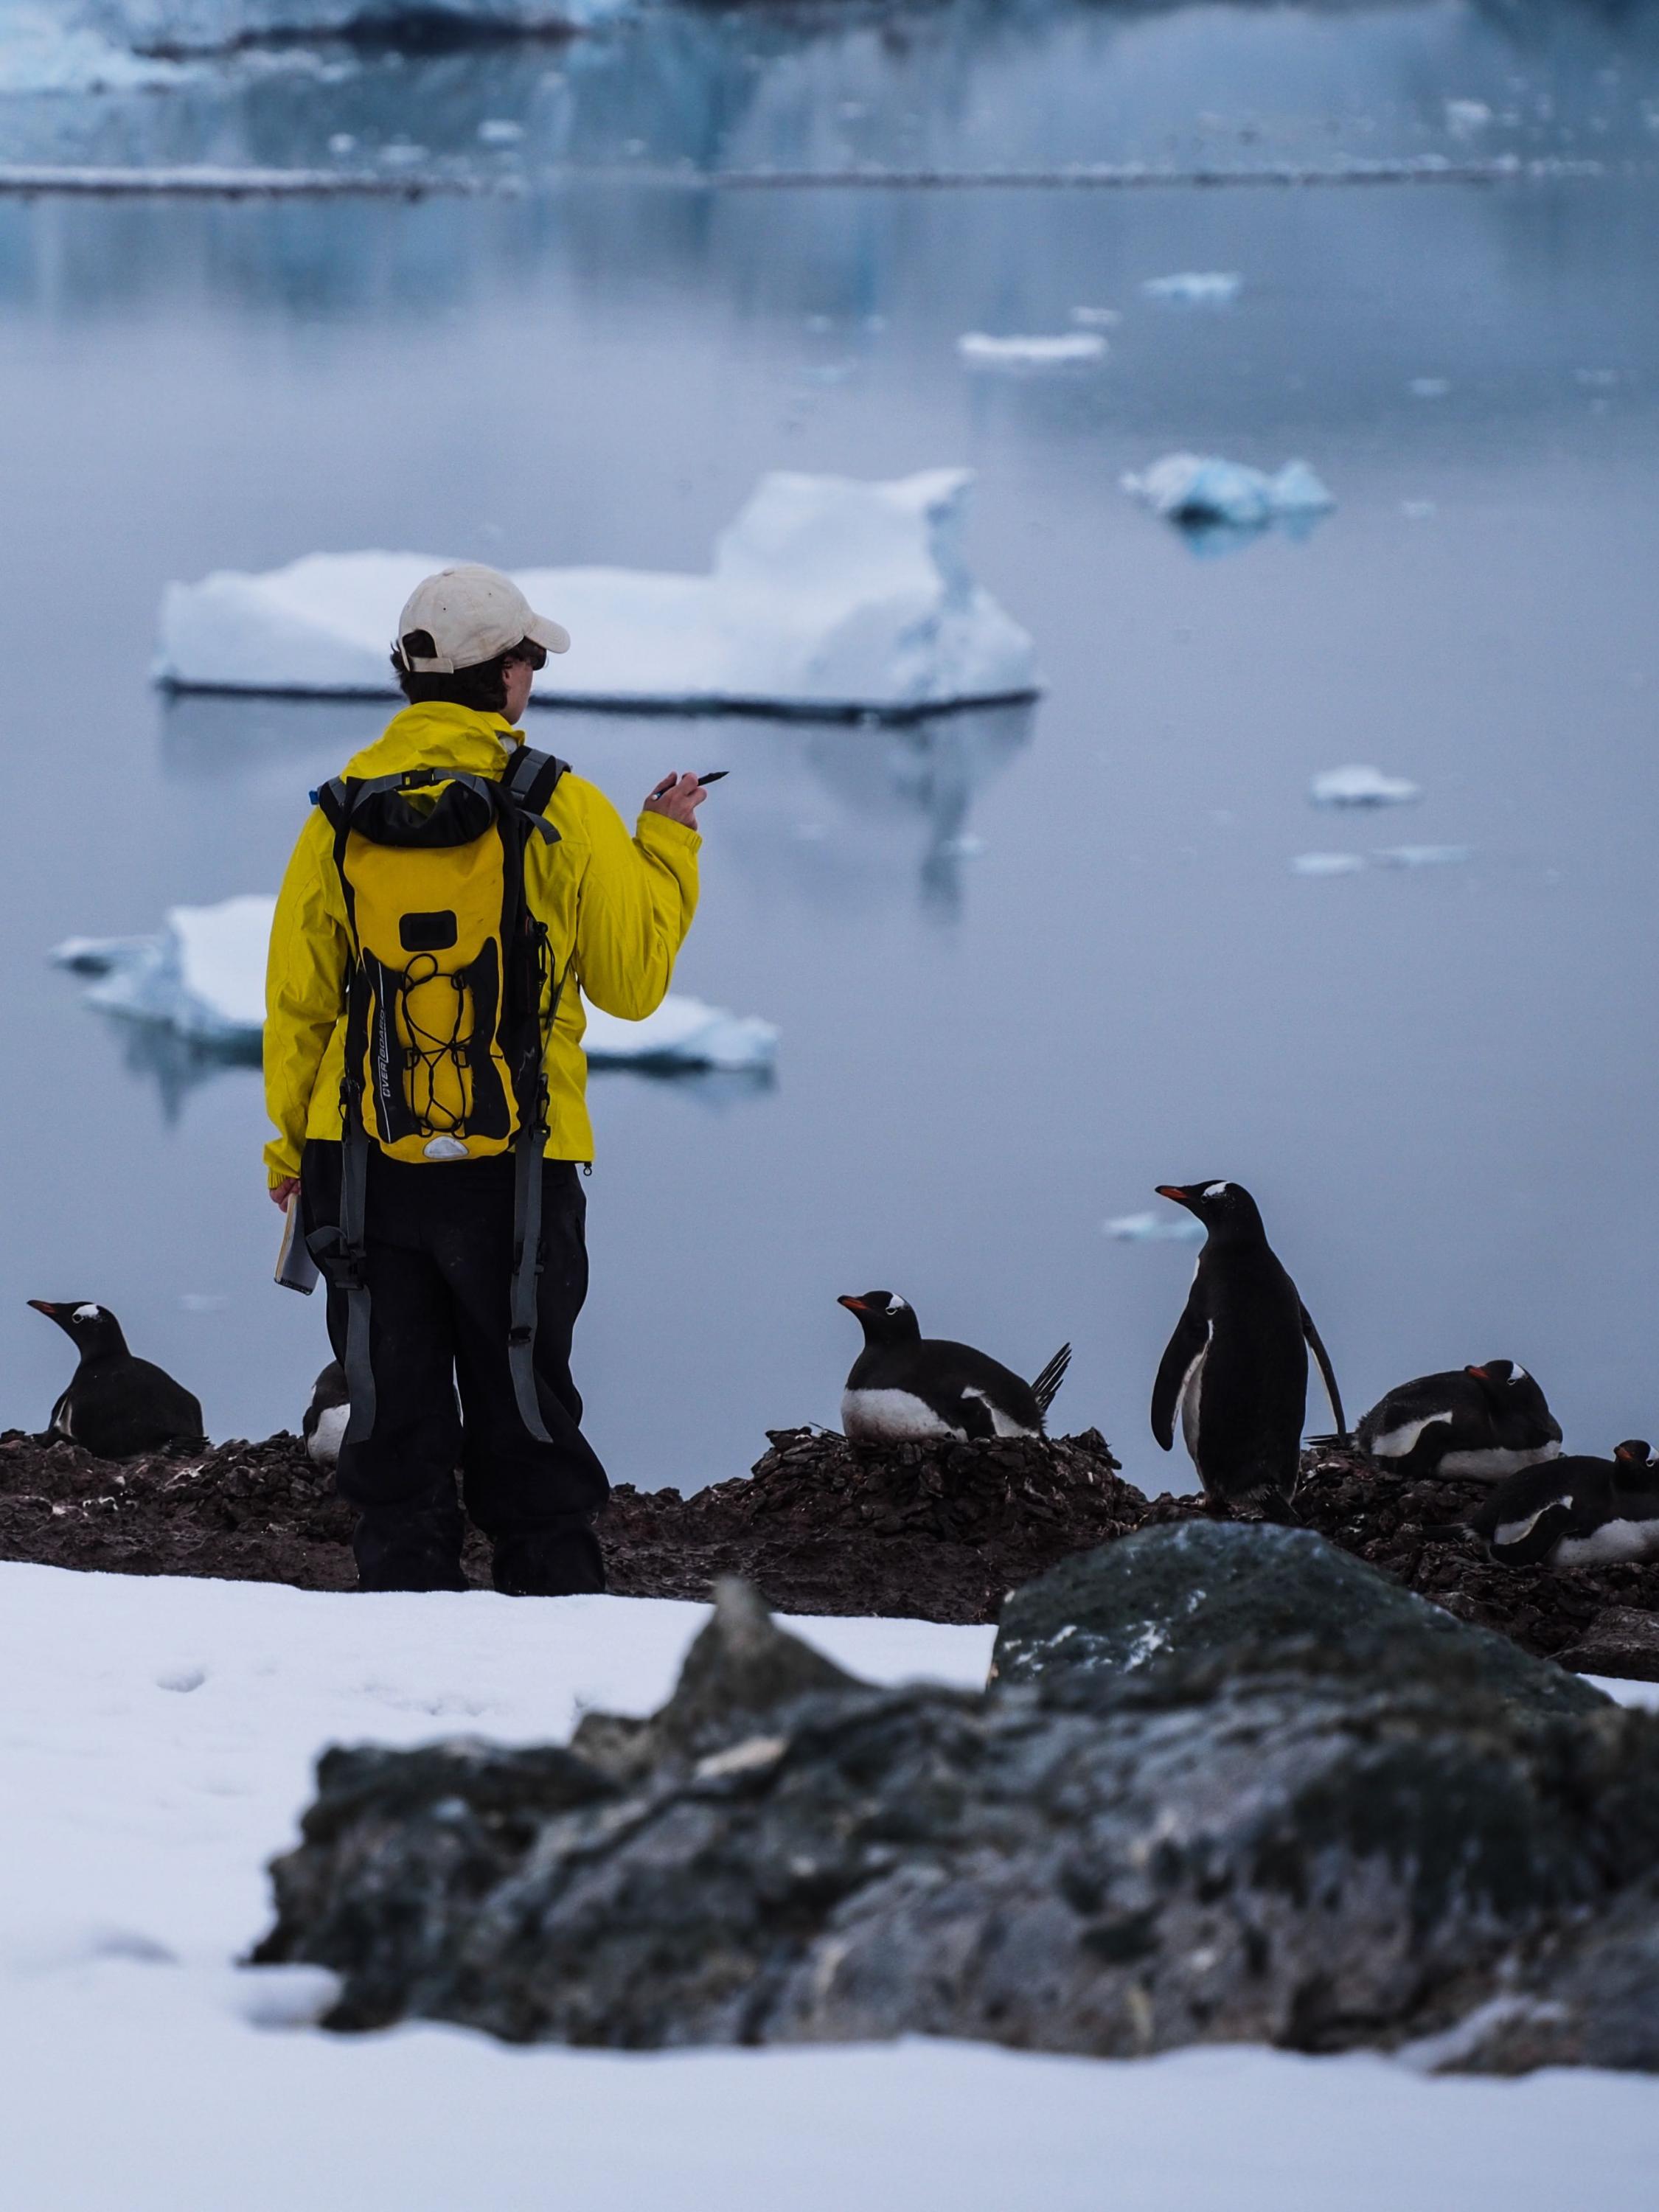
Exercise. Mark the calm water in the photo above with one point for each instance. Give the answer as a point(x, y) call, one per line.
point(1027, 963)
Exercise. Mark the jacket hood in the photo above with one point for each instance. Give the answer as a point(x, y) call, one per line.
point(437, 733)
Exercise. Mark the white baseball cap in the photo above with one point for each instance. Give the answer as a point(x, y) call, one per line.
point(471, 614)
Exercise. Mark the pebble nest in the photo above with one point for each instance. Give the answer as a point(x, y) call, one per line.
point(939, 1532)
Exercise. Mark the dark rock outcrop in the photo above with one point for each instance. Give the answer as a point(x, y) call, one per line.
point(1255, 1793)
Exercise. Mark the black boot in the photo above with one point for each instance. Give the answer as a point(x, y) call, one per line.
point(405, 1548)
point(548, 1562)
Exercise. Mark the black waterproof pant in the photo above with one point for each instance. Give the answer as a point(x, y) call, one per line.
point(440, 1261)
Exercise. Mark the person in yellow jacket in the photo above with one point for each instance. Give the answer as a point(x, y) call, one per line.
point(438, 1235)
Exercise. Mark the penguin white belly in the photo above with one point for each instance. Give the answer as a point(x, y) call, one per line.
point(60, 1424)
point(1002, 1425)
point(324, 1440)
point(1191, 1387)
point(892, 1417)
point(1395, 1443)
point(1611, 1545)
point(1489, 1466)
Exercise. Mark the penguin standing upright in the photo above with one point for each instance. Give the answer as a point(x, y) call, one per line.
point(116, 1406)
point(1237, 1365)
point(325, 1417)
point(905, 1388)
point(1481, 1422)
point(1574, 1512)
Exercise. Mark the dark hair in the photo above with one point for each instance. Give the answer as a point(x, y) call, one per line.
point(482, 687)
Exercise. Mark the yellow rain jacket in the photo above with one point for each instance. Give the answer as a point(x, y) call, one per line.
point(617, 911)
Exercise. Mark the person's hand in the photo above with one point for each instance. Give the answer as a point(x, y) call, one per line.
point(679, 796)
point(282, 1192)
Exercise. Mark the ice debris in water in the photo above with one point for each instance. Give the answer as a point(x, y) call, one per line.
point(1465, 116)
point(826, 595)
point(1096, 318)
point(1198, 489)
point(1362, 786)
point(217, 26)
point(1154, 1228)
point(1193, 287)
point(204, 976)
point(980, 350)
point(1420, 856)
point(1327, 864)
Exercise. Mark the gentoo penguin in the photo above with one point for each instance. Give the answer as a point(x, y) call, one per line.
point(1574, 1512)
point(327, 1416)
point(116, 1406)
point(1237, 1364)
point(905, 1386)
point(1480, 1423)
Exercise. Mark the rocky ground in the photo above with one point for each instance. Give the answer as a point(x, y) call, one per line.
point(1226, 1785)
point(942, 1533)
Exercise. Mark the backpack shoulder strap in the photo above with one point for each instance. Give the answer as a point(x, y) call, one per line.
point(334, 799)
point(532, 778)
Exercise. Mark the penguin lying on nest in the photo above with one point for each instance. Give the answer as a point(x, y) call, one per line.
point(1480, 1423)
point(1236, 1366)
point(116, 1406)
point(1575, 1512)
point(905, 1388)
point(325, 1417)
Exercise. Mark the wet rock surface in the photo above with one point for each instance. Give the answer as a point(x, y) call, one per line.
point(1245, 1829)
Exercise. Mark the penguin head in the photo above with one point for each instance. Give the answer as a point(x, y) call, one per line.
point(1221, 1206)
point(1630, 1465)
point(1502, 1381)
point(94, 1328)
point(884, 1316)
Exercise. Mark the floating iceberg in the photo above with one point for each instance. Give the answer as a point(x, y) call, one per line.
point(827, 595)
point(980, 350)
point(177, 27)
point(43, 49)
point(1210, 287)
point(1154, 1228)
point(1198, 490)
point(1362, 786)
point(1327, 864)
point(203, 977)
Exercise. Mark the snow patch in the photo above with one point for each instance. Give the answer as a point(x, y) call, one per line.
point(826, 595)
point(204, 976)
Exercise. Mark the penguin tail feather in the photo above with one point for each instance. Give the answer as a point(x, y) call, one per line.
point(1341, 1442)
point(1046, 1387)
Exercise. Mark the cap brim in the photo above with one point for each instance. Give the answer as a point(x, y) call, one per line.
point(552, 634)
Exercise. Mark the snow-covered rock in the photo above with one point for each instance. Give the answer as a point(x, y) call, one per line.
point(1192, 288)
point(175, 26)
point(1198, 489)
point(1358, 786)
point(981, 350)
point(203, 977)
point(826, 595)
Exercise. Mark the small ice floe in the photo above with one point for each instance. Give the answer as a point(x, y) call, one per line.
point(1429, 387)
point(1096, 318)
point(1362, 786)
point(1067, 349)
point(500, 131)
point(1196, 288)
point(1327, 864)
point(683, 1034)
point(1421, 856)
point(1154, 1228)
point(827, 595)
point(1465, 116)
point(203, 977)
point(1199, 491)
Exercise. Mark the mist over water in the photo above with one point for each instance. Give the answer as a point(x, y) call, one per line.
point(1027, 961)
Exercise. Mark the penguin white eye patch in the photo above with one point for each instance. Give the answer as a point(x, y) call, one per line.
point(87, 1312)
point(1217, 1189)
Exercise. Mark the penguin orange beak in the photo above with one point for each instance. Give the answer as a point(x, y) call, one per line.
point(46, 1307)
point(1173, 1190)
point(1479, 1373)
point(853, 1305)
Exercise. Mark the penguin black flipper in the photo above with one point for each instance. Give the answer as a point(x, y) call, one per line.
point(1191, 1335)
point(1324, 1359)
point(973, 1417)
